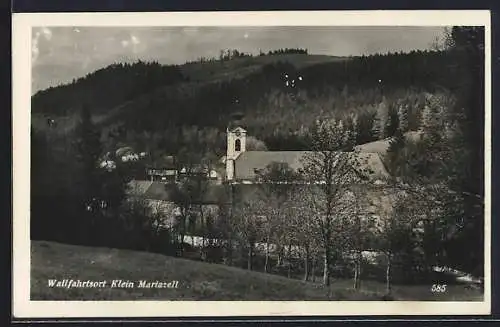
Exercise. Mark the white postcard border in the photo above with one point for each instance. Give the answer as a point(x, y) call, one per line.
point(21, 53)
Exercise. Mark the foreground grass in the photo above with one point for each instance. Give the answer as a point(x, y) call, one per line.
point(197, 280)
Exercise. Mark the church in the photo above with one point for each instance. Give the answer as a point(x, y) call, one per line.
point(241, 169)
point(242, 166)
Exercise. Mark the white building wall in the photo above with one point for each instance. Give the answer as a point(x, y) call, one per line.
point(233, 136)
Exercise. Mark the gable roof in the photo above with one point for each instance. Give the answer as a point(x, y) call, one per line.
point(159, 191)
point(124, 151)
point(164, 162)
point(249, 163)
point(165, 192)
point(373, 198)
point(236, 129)
point(233, 124)
point(382, 146)
point(138, 187)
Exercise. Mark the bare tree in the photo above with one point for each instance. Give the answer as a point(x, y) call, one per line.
point(351, 227)
point(190, 191)
point(302, 215)
point(246, 223)
point(398, 213)
point(332, 171)
point(223, 227)
point(276, 184)
point(183, 203)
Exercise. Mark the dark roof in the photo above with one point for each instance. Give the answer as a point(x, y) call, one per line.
point(164, 162)
point(236, 129)
point(250, 193)
point(249, 162)
point(164, 192)
point(371, 196)
point(159, 191)
point(235, 124)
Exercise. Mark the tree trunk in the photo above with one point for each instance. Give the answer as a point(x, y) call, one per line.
point(313, 270)
point(327, 244)
point(181, 244)
point(203, 227)
point(306, 264)
point(280, 256)
point(182, 230)
point(388, 274)
point(266, 264)
point(355, 286)
point(289, 254)
point(357, 270)
point(250, 257)
point(230, 251)
point(203, 232)
point(326, 268)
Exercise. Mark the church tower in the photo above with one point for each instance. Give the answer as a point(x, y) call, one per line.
point(236, 144)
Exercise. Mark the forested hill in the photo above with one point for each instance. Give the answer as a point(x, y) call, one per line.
point(110, 86)
point(287, 101)
point(105, 88)
point(280, 95)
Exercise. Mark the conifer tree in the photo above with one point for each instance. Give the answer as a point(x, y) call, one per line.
point(403, 118)
point(366, 127)
point(392, 124)
point(381, 121)
point(467, 47)
point(433, 121)
point(352, 129)
point(394, 158)
point(88, 149)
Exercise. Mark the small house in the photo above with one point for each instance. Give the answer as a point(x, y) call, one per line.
point(162, 170)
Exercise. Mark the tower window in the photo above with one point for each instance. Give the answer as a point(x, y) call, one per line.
point(237, 145)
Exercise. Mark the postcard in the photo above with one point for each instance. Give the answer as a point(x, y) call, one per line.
point(291, 163)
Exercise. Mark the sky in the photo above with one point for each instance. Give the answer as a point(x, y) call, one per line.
point(60, 54)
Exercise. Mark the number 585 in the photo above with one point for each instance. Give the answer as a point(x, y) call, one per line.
point(438, 288)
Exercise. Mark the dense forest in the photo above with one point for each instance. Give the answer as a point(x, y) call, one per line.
point(279, 101)
point(164, 110)
point(105, 88)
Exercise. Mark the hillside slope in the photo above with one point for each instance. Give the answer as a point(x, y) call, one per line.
point(163, 109)
point(240, 67)
point(110, 86)
point(197, 280)
point(122, 92)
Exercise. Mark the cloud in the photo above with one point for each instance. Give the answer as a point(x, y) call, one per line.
point(132, 41)
point(35, 51)
point(135, 40)
point(61, 53)
point(47, 33)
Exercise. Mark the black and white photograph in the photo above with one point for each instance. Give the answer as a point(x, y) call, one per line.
point(189, 159)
